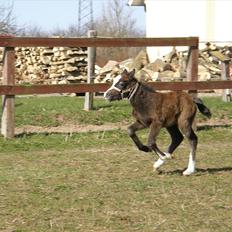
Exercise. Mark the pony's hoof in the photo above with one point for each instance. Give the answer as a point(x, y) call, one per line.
point(158, 164)
point(188, 172)
point(157, 171)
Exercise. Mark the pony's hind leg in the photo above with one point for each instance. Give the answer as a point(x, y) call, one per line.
point(176, 137)
point(185, 123)
point(192, 138)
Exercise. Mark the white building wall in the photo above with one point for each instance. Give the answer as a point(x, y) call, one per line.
point(207, 19)
point(222, 21)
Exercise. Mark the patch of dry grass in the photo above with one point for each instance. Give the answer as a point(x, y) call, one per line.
point(111, 187)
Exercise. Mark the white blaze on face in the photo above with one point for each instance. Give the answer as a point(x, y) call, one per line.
point(115, 81)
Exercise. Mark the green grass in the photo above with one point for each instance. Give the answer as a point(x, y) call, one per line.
point(220, 110)
point(86, 183)
point(54, 111)
point(101, 182)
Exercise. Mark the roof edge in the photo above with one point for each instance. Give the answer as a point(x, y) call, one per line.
point(136, 2)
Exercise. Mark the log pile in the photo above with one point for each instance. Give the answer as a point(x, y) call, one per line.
point(62, 65)
point(171, 67)
point(57, 65)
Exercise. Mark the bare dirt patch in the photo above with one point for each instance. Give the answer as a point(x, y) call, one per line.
point(82, 128)
point(69, 128)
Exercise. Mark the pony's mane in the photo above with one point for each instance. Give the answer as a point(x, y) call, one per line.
point(146, 87)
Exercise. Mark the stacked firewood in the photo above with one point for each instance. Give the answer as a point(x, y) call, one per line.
point(61, 65)
point(171, 67)
point(58, 65)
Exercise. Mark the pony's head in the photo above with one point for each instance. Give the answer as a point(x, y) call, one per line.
point(121, 86)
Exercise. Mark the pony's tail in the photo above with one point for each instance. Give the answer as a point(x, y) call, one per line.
point(202, 108)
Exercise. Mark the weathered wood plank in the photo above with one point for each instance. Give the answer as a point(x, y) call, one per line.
point(193, 85)
point(220, 56)
point(7, 126)
point(101, 87)
point(96, 42)
point(225, 75)
point(192, 64)
point(48, 89)
point(192, 67)
point(88, 104)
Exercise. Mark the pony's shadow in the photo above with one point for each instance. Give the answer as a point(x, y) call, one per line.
point(199, 171)
point(210, 127)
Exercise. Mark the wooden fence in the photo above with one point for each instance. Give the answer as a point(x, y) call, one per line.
point(9, 89)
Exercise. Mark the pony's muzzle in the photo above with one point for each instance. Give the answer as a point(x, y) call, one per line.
point(113, 95)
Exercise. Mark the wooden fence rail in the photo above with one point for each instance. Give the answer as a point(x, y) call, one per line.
point(9, 89)
point(97, 42)
point(101, 87)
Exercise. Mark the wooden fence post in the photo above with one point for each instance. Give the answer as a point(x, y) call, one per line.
point(7, 127)
point(192, 66)
point(225, 74)
point(88, 105)
point(192, 72)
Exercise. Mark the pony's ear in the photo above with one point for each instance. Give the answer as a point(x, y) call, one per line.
point(132, 74)
point(125, 72)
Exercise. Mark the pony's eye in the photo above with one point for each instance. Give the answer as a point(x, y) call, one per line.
point(121, 84)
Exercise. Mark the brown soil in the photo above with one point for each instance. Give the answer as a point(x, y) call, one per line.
point(79, 128)
point(69, 128)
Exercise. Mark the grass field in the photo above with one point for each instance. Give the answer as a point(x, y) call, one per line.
point(54, 111)
point(101, 182)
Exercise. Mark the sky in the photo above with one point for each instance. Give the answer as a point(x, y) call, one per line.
point(53, 14)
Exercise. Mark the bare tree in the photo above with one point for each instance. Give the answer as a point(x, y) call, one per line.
point(7, 21)
point(33, 31)
point(116, 21)
point(71, 31)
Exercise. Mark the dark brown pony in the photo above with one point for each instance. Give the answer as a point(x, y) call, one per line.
point(173, 110)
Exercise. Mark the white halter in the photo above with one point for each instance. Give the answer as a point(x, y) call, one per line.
point(134, 91)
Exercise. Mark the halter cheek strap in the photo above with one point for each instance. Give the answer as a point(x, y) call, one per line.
point(133, 91)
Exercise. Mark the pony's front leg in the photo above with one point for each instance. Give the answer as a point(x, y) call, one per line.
point(131, 132)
